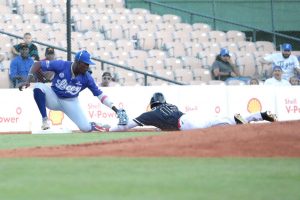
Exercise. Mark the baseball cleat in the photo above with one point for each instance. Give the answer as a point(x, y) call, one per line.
point(99, 127)
point(268, 116)
point(45, 124)
point(239, 119)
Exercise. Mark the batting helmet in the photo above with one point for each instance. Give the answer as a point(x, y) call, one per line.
point(157, 99)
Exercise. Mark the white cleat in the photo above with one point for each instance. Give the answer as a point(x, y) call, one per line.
point(45, 124)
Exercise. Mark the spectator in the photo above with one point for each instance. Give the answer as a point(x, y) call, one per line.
point(254, 81)
point(288, 63)
point(48, 75)
point(294, 80)
point(20, 66)
point(223, 67)
point(277, 79)
point(107, 80)
point(33, 50)
point(50, 54)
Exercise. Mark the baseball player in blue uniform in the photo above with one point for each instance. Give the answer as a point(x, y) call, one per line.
point(168, 117)
point(69, 80)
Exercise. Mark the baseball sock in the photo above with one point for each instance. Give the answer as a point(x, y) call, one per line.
point(40, 100)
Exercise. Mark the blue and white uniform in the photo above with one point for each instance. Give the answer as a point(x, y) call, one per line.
point(64, 91)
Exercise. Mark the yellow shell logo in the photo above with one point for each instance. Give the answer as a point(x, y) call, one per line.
point(254, 106)
point(56, 117)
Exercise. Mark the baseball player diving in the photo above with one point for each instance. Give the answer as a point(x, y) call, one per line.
point(168, 117)
point(70, 78)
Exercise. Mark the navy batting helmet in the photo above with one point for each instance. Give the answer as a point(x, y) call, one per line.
point(157, 99)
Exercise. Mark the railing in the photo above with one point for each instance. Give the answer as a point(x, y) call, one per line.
point(193, 14)
point(145, 74)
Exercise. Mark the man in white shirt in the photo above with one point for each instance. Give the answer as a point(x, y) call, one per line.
point(288, 63)
point(277, 79)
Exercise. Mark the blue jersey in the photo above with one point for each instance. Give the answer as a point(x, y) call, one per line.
point(66, 86)
point(164, 117)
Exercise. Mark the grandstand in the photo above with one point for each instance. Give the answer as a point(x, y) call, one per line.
point(163, 45)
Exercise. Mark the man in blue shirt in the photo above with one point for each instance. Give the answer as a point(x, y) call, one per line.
point(70, 78)
point(20, 65)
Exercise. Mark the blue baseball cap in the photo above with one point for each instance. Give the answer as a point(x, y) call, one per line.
point(277, 67)
point(224, 52)
point(287, 47)
point(84, 56)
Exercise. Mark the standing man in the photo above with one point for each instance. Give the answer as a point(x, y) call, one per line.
point(69, 80)
point(288, 63)
point(20, 65)
point(167, 117)
point(33, 50)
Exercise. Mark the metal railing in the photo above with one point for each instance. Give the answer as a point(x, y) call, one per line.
point(102, 62)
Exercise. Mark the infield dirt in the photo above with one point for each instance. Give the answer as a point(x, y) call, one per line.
point(279, 139)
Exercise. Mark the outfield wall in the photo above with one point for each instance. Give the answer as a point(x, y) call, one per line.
point(19, 113)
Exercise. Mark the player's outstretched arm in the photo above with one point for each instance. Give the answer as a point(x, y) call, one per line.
point(121, 113)
point(120, 128)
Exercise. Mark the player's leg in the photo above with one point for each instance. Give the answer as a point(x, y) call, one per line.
point(260, 116)
point(71, 107)
point(44, 97)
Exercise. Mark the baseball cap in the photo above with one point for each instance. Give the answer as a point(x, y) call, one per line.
point(106, 74)
point(23, 45)
point(286, 47)
point(276, 67)
point(84, 56)
point(49, 50)
point(224, 52)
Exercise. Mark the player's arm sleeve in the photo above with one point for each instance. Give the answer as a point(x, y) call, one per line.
point(119, 128)
point(267, 58)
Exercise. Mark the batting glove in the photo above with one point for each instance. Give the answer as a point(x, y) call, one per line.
point(123, 118)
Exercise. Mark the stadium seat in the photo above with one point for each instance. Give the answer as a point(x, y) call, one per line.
point(146, 40)
point(217, 36)
point(235, 36)
point(175, 49)
point(199, 36)
point(153, 64)
point(201, 74)
point(265, 46)
point(171, 19)
point(193, 48)
point(189, 62)
point(155, 53)
point(125, 45)
point(173, 63)
point(203, 27)
point(183, 75)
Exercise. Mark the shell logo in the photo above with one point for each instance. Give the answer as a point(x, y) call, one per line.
point(254, 105)
point(56, 117)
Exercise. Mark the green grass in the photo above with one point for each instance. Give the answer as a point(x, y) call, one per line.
point(151, 178)
point(11, 141)
point(141, 178)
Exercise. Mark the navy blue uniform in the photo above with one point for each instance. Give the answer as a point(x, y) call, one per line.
point(164, 117)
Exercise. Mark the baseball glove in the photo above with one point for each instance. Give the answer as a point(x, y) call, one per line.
point(123, 118)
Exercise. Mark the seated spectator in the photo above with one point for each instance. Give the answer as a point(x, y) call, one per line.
point(277, 79)
point(254, 81)
point(223, 67)
point(288, 63)
point(33, 50)
point(49, 54)
point(20, 66)
point(107, 80)
point(294, 80)
point(48, 76)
